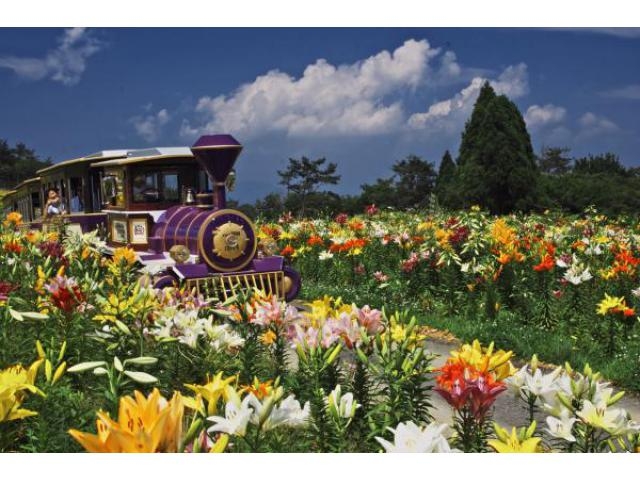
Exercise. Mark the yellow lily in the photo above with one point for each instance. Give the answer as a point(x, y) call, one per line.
point(124, 255)
point(212, 391)
point(486, 360)
point(15, 382)
point(144, 425)
point(518, 441)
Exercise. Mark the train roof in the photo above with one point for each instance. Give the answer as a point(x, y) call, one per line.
point(103, 154)
point(147, 155)
point(26, 182)
point(8, 193)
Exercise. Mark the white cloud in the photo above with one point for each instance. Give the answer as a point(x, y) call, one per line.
point(539, 116)
point(150, 126)
point(451, 114)
point(325, 100)
point(630, 92)
point(593, 124)
point(65, 64)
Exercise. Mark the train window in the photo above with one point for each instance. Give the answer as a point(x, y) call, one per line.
point(170, 188)
point(203, 182)
point(151, 187)
point(145, 188)
point(76, 199)
point(113, 188)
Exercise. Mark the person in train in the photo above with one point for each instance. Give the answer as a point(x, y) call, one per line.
point(54, 204)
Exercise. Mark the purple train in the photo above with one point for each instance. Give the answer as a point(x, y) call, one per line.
point(168, 204)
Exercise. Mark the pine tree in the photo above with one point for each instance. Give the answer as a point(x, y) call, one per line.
point(445, 181)
point(415, 178)
point(303, 177)
point(497, 166)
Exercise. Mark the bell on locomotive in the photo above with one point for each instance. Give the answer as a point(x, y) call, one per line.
point(215, 248)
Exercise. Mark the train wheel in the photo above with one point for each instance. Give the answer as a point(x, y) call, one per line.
point(165, 281)
point(291, 283)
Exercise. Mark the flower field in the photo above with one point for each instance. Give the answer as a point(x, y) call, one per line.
point(92, 359)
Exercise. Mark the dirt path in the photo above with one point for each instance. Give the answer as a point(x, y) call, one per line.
point(508, 411)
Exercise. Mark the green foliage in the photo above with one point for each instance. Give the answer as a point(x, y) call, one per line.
point(445, 186)
point(496, 162)
point(18, 163)
point(554, 161)
point(607, 163)
point(304, 176)
point(409, 187)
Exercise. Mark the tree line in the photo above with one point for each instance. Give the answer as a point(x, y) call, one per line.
point(18, 163)
point(496, 168)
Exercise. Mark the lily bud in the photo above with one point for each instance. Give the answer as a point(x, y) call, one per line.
point(63, 349)
point(333, 355)
point(48, 369)
point(534, 363)
point(40, 350)
point(59, 372)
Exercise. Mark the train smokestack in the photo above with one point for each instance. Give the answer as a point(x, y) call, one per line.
point(217, 154)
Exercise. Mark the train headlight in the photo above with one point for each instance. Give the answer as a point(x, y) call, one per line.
point(230, 241)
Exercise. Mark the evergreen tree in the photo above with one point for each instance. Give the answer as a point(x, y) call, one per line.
point(497, 167)
point(382, 193)
point(303, 177)
point(553, 160)
point(415, 180)
point(410, 186)
point(445, 181)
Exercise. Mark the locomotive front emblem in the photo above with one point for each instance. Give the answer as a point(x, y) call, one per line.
point(229, 241)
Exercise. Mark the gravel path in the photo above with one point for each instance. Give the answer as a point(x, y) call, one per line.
point(509, 411)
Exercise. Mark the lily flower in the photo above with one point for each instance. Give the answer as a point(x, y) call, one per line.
point(410, 438)
point(518, 441)
point(341, 406)
point(235, 420)
point(144, 425)
point(614, 421)
point(561, 427)
point(15, 382)
point(212, 391)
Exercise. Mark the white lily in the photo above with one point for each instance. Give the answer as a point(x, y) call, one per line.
point(325, 255)
point(409, 438)
point(289, 413)
point(561, 427)
point(576, 274)
point(235, 420)
point(542, 385)
point(516, 381)
point(612, 420)
point(341, 406)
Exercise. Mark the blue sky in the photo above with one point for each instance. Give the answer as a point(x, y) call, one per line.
point(362, 97)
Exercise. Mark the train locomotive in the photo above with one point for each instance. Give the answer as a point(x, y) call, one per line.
point(221, 242)
point(170, 206)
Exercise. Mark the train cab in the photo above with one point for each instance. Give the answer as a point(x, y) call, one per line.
point(137, 189)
